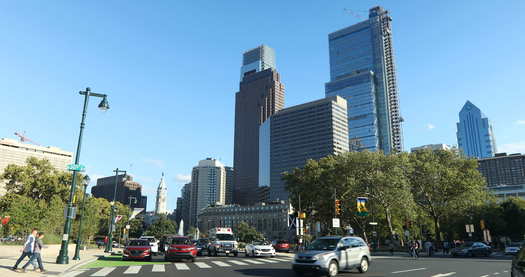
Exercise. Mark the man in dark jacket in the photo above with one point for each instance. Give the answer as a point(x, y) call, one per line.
point(36, 253)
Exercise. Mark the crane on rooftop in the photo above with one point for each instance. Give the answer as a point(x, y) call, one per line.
point(24, 138)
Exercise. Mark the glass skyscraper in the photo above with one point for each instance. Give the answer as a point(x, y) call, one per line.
point(475, 135)
point(362, 71)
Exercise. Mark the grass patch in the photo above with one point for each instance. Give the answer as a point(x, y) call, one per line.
point(116, 260)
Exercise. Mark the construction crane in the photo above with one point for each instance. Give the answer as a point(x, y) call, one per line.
point(23, 138)
point(355, 13)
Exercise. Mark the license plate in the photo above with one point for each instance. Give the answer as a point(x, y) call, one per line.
point(227, 252)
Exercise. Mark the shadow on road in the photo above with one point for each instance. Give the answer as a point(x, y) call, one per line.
point(266, 272)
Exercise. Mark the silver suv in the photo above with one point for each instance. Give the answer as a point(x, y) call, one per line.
point(329, 255)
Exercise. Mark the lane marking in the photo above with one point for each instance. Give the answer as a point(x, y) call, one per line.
point(74, 273)
point(201, 265)
point(221, 264)
point(409, 270)
point(496, 273)
point(484, 276)
point(281, 259)
point(237, 262)
point(505, 271)
point(444, 274)
point(103, 272)
point(269, 261)
point(252, 261)
point(181, 266)
point(158, 268)
point(134, 269)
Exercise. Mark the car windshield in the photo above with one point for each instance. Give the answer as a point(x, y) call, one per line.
point(323, 244)
point(138, 243)
point(184, 241)
point(203, 241)
point(515, 244)
point(225, 237)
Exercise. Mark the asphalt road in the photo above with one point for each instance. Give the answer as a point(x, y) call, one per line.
point(280, 267)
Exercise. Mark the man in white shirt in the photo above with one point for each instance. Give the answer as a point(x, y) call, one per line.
point(29, 246)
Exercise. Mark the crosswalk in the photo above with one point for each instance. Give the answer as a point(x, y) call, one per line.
point(159, 268)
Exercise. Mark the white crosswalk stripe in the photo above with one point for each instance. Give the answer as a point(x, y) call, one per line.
point(103, 272)
point(180, 266)
point(237, 262)
point(252, 261)
point(158, 268)
point(74, 273)
point(221, 264)
point(133, 269)
point(201, 265)
point(281, 259)
point(270, 261)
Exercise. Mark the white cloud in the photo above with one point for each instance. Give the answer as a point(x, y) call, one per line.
point(520, 122)
point(157, 163)
point(430, 126)
point(181, 178)
point(517, 147)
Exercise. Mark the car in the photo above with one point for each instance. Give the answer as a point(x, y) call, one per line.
point(518, 264)
point(259, 248)
point(202, 246)
point(331, 254)
point(513, 248)
point(137, 249)
point(222, 240)
point(181, 248)
point(153, 242)
point(472, 249)
point(281, 246)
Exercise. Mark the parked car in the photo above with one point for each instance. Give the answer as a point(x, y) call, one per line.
point(329, 255)
point(153, 242)
point(181, 248)
point(260, 248)
point(281, 246)
point(513, 248)
point(138, 249)
point(472, 249)
point(518, 264)
point(202, 247)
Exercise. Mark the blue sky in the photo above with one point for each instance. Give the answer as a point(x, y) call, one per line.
point(171, 70)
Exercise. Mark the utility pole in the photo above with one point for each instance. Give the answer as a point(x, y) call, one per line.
point(109, 246)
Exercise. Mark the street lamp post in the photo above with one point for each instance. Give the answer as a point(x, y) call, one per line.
point(63, 257)
point(79, 240)
point(109, 245)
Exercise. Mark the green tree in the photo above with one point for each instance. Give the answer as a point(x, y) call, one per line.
point(162, 226)
point(514, 214)
point(247, 233)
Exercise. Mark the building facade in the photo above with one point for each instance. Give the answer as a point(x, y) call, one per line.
point(294, 135)
point(474, 133)
point(208, 187)
point(17, 153)
point(183, 206)
point(270, 219)
point(505, 174)
point(161, 206)
point(230, 179)
point(439, 146)
point(362, 70)
point(261, 94)
point(128, 192)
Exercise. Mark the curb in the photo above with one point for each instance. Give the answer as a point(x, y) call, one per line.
point(72, 268)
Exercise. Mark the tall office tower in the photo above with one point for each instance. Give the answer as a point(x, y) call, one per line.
point(208, 187)
point(260, 95)
point(229, 184)
point(474, 132)
point(162, 198)
point(296, 134)
point(127, 191)
point(184, 205)
point(362, 70)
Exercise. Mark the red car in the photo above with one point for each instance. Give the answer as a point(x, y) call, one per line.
point(138, 249)
point(282, 246)
point(181, 248)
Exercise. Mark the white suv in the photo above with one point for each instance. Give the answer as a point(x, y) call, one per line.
point(153, 242)
point(329, 255)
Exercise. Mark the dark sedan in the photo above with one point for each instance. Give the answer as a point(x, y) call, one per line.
point(202, 247)
point(472, 249)
point(518, 264)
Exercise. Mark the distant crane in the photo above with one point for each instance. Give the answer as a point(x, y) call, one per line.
point(23, 138)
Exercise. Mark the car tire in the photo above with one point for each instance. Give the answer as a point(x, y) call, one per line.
point(363, 266)
point(247, 254)
point(148, 259)
point(235, 254)
point(209, 253)
point(333, 269)
point(215, 253)
point(192, 260)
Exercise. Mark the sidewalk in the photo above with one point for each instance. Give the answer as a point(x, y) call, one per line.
point(9, 254)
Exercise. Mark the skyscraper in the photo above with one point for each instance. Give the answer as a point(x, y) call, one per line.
point(260, 95)
point(362, 70)
point(208, 187)
point(128, 192)
point(296, 134)
point(162, 197)
point(229, 184)
point(474, 133)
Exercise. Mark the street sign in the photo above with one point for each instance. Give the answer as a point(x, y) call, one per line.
point(118, 218)
point(373, 223)
point(76, 167)
point(128, 227)
point(336, 223)
point(73, 212)
point(135, 212)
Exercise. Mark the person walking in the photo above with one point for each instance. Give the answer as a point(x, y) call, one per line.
point(27, 251)
point(414, 246)
point(36, 254)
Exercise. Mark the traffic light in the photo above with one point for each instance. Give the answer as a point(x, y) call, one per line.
point(302, 215)
point(337, 207)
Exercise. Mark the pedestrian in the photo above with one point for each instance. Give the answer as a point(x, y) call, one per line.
point(27, 251)
point(36, 254)
point(446, 247)
point(414, 246)
point(391, 246)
